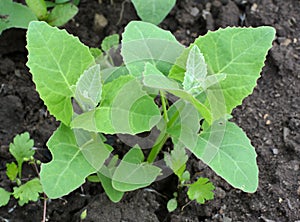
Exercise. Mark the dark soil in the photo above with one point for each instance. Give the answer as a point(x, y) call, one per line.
point(270, 117)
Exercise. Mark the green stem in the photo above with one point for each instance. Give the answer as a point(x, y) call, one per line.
point(164, 106)
point(162, 138)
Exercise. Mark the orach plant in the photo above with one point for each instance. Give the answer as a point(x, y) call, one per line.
point(177, 93)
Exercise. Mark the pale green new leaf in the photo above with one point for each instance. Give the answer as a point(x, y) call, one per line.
point(71, 164)
point(226, 149)
point(11, 171)
point(4, 197)
point(153, 78)
point(176, 160)
point(14, 15)
point(196, 70)
point(28, 192)
point(89, 88)
point(201, 190)
point(125, 108)
point(21, 148)
point(155, 45)
point(61, 14)
point(132, 173)
point(56, 61)
point(185, 123)
point(237, 52)
point(153, 11)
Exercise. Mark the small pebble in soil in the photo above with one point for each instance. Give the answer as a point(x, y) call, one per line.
point(275, 151)
point(100, 22)
point(220, 193)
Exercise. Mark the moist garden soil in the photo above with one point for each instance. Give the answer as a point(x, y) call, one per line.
point(270, 117)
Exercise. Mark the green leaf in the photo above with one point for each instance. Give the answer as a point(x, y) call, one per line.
point(11, 171)
point(89, 88)
point(225, 148)
point(237, 52)
point(105, 175)
point(56, 61)
point(157, 46)
point(172, 204)
point(61, 1)
point(50, 4)
point(201, 190)
point(196, 70)
point(125, 108)
point(14, 15)
point(153, 78)
point(176, 160)
point(153, 11)
point(61, 14)
point(111, 41)
point(113, 73)
point(184, 123)
point(75, 156)
point(38, 7)
point(21, 148)
point(4, 197)
point(28, 191)
point(132, 173)
point(96, 52)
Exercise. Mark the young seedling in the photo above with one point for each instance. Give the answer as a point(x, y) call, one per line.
point(22, 151)
point(196, 89)
point(201, 190)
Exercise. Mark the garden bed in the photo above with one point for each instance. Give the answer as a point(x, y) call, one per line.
point(270, 117)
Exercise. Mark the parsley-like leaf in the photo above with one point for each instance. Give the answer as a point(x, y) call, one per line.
point(201, 190)
point(21, 148)
point(28, 191)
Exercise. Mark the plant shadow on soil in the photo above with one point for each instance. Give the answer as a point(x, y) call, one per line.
point(270, 117)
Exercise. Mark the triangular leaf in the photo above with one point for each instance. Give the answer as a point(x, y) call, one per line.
point(225, 148)
point(237, 52)
point(56, 61)
point(196, 70)
point(71, 163)
point(155, 45)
